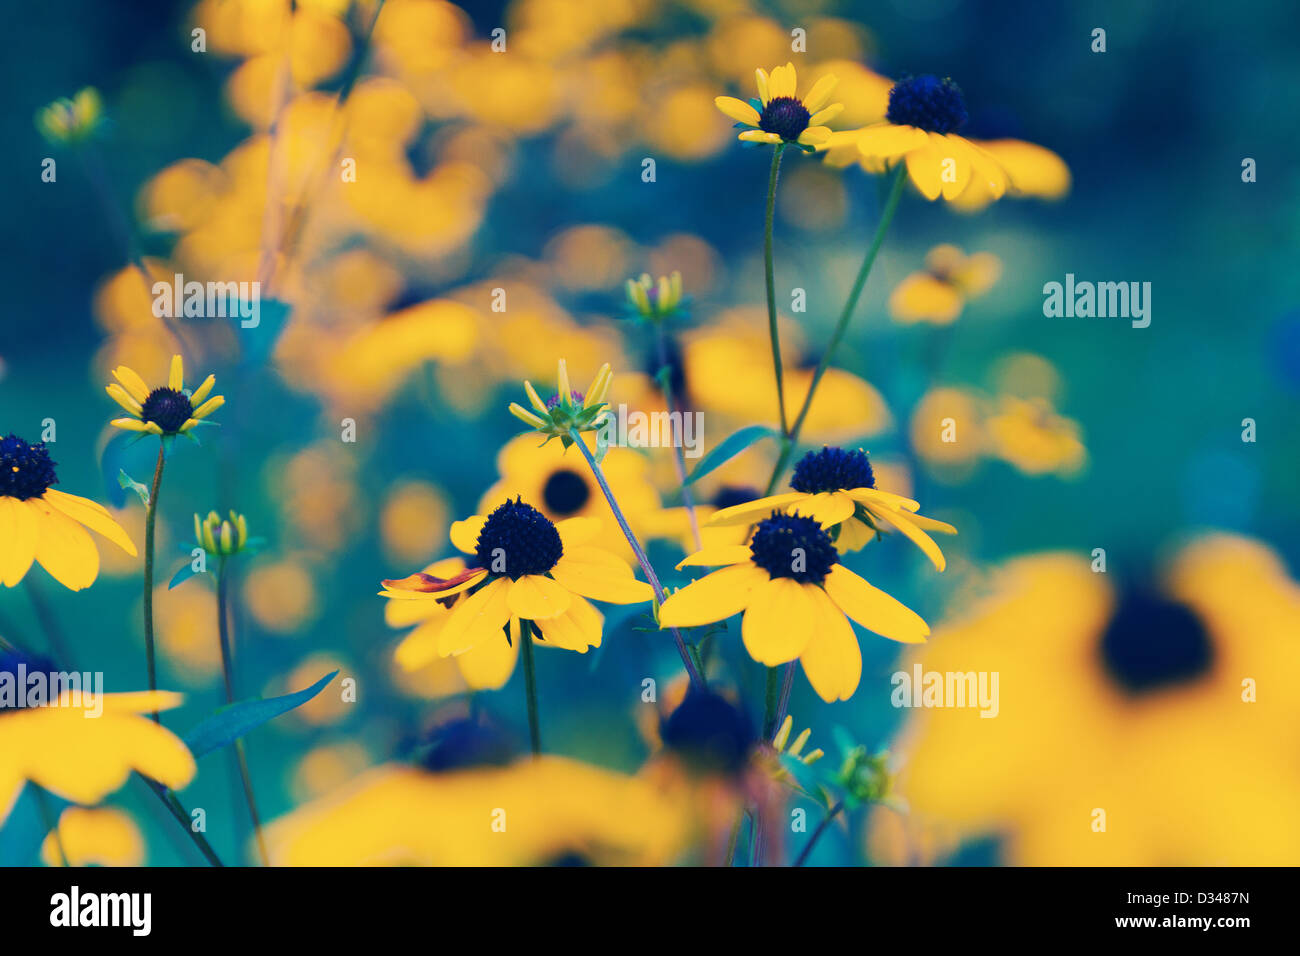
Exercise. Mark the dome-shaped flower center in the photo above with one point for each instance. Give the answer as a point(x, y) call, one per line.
point(565, 492)
point(709, 732)
point(167, 408)
point(516, 540)
point(16, 689)
point(785, 116)
point(1153, 642)
point(25, 470)
point(466, 743)
point(832, 469)
point(792, 546)
point(729, 496)
point(928, 103)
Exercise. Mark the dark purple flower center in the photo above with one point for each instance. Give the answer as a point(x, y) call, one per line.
point(785, 116)
point(167, 408)
point(26, 471)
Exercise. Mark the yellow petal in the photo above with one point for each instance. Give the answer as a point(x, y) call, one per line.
point(822, 117)
point(758, 136)
point(832, 660)
point(778, 621)
point(464, 534)
point(132, 382)
point(176, 377)
point(873, 608)
point(489, 663)
point(717, 555)
point(475, 618)
point(18, 531)
point(715, 597)
point(820, 94)
point(601, 576)
point(575, 532)
point(536, 597)
point(123, 398)
point(92, 516)
point(888, 141)
point(751, 511)
point(577, 629)
point(828, 507)
point(925, 167)
point(914, 534)
point(132, 424)
point(200, 393)
point(760, 80)
point(419, 649)
point(63, 548)
point(738, 110)
point(208, 407)
point(814, 135)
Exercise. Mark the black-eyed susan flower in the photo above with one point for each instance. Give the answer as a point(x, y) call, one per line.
point(655, 300)
point(838, 488)
point(99, 836)
point(567, 411)
point(40, 523)
point(938, 293)
point(221, 536)
point(57, 747)
point(920, 130)
point(779, 115)
point(1158, 683)
point(795, 596)
point(525, 568)
point(168, 410)
point(71, 120)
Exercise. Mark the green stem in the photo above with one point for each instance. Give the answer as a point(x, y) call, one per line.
point(841, 326)
point(228, 672)
point(641, 559)
point(530, 684)
point(679, 453)
point(816, 834)
point(772, 692)
point(182, 816)
point(150, 520)
point(771, 283)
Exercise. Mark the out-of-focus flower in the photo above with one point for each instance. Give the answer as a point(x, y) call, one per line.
point(103, 836)
point(1133, 703)
point(281, 595)
point(567, 412)
point(838, 489)
point(168, 410)
point(1029, 434)
point(67, 121)
point(655, 301)
point(1033, 172)
point(40, 523)
point(323, 709)
point(413, 520)
point(185, 626)
point(795, 596)
point(947, 427)
point(940, 292)
point(326, 768)
point(540, 810)
point(782, 745)
point(779, 115)
point(57, 747)
point(525, 568)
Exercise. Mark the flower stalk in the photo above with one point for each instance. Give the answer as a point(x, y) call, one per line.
point(150, 521)
point(530, 685)
point(770, 276)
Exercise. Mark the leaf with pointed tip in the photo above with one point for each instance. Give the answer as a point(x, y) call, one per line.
point(729, 448)
point(126, 481)
point(230, 723)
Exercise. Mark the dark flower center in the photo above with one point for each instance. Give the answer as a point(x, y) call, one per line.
point(167, 408)
point(565, 493)
point(729, 496)
point(15, 670)
point(516, 540)
point(465, 743)
point(927, 103)
point(785, 116)
point(832, 469)
point(1153, 642)
point(709, 732)
point(792, 546)
point(25, 470)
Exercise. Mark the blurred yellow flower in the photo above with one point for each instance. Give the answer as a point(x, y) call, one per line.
point(1029, 434)
point(104, 836)
point(70, 121)
point(413, 520)
point(938, 294)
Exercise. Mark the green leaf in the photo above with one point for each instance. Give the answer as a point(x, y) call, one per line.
point(129, 483)
point(230, 723)
point(184, 574)
point(729, 448)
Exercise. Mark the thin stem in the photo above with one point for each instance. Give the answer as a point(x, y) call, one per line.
point(51, 822)
point(841, 326)
point(772, 692)
point(771, 283)
point(734, 840)
point(530, 684)
point(150, 520)
point(182, 816)
point(816, 834)
point(679, 454)
point(641, 559)
point(783, 702)
point(228, 672)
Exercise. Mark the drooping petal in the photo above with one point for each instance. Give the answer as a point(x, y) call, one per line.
point(832, 659)
point(925, 168)
point(854, 535)
point(63, 548)
point(914, 534)
point(778, 621)
point(873, 608)
point(828, 507)
point(714, 597)
point(475, 618)
point(489, 663)
point(872, 496)
point(419, 648)
point(536, 597)
point(888, 141)
point(92, 516)
point(18, 531)
point(578, 629)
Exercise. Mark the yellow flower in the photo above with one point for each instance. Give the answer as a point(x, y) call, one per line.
point(795, 750)
point(838, 488)
point(1029, 434)
point(525, 569)
point(568, 411)
point(65, 748)
point(472, 804)
point(221, 536)
point(1144, 699)
point(167, 410)
point(778, 115)
point(655, 300)
point(72, 120)
point(98, 837)
point(794, 594)
point(1033, 171)
point(40, 523)
point(941, 291)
